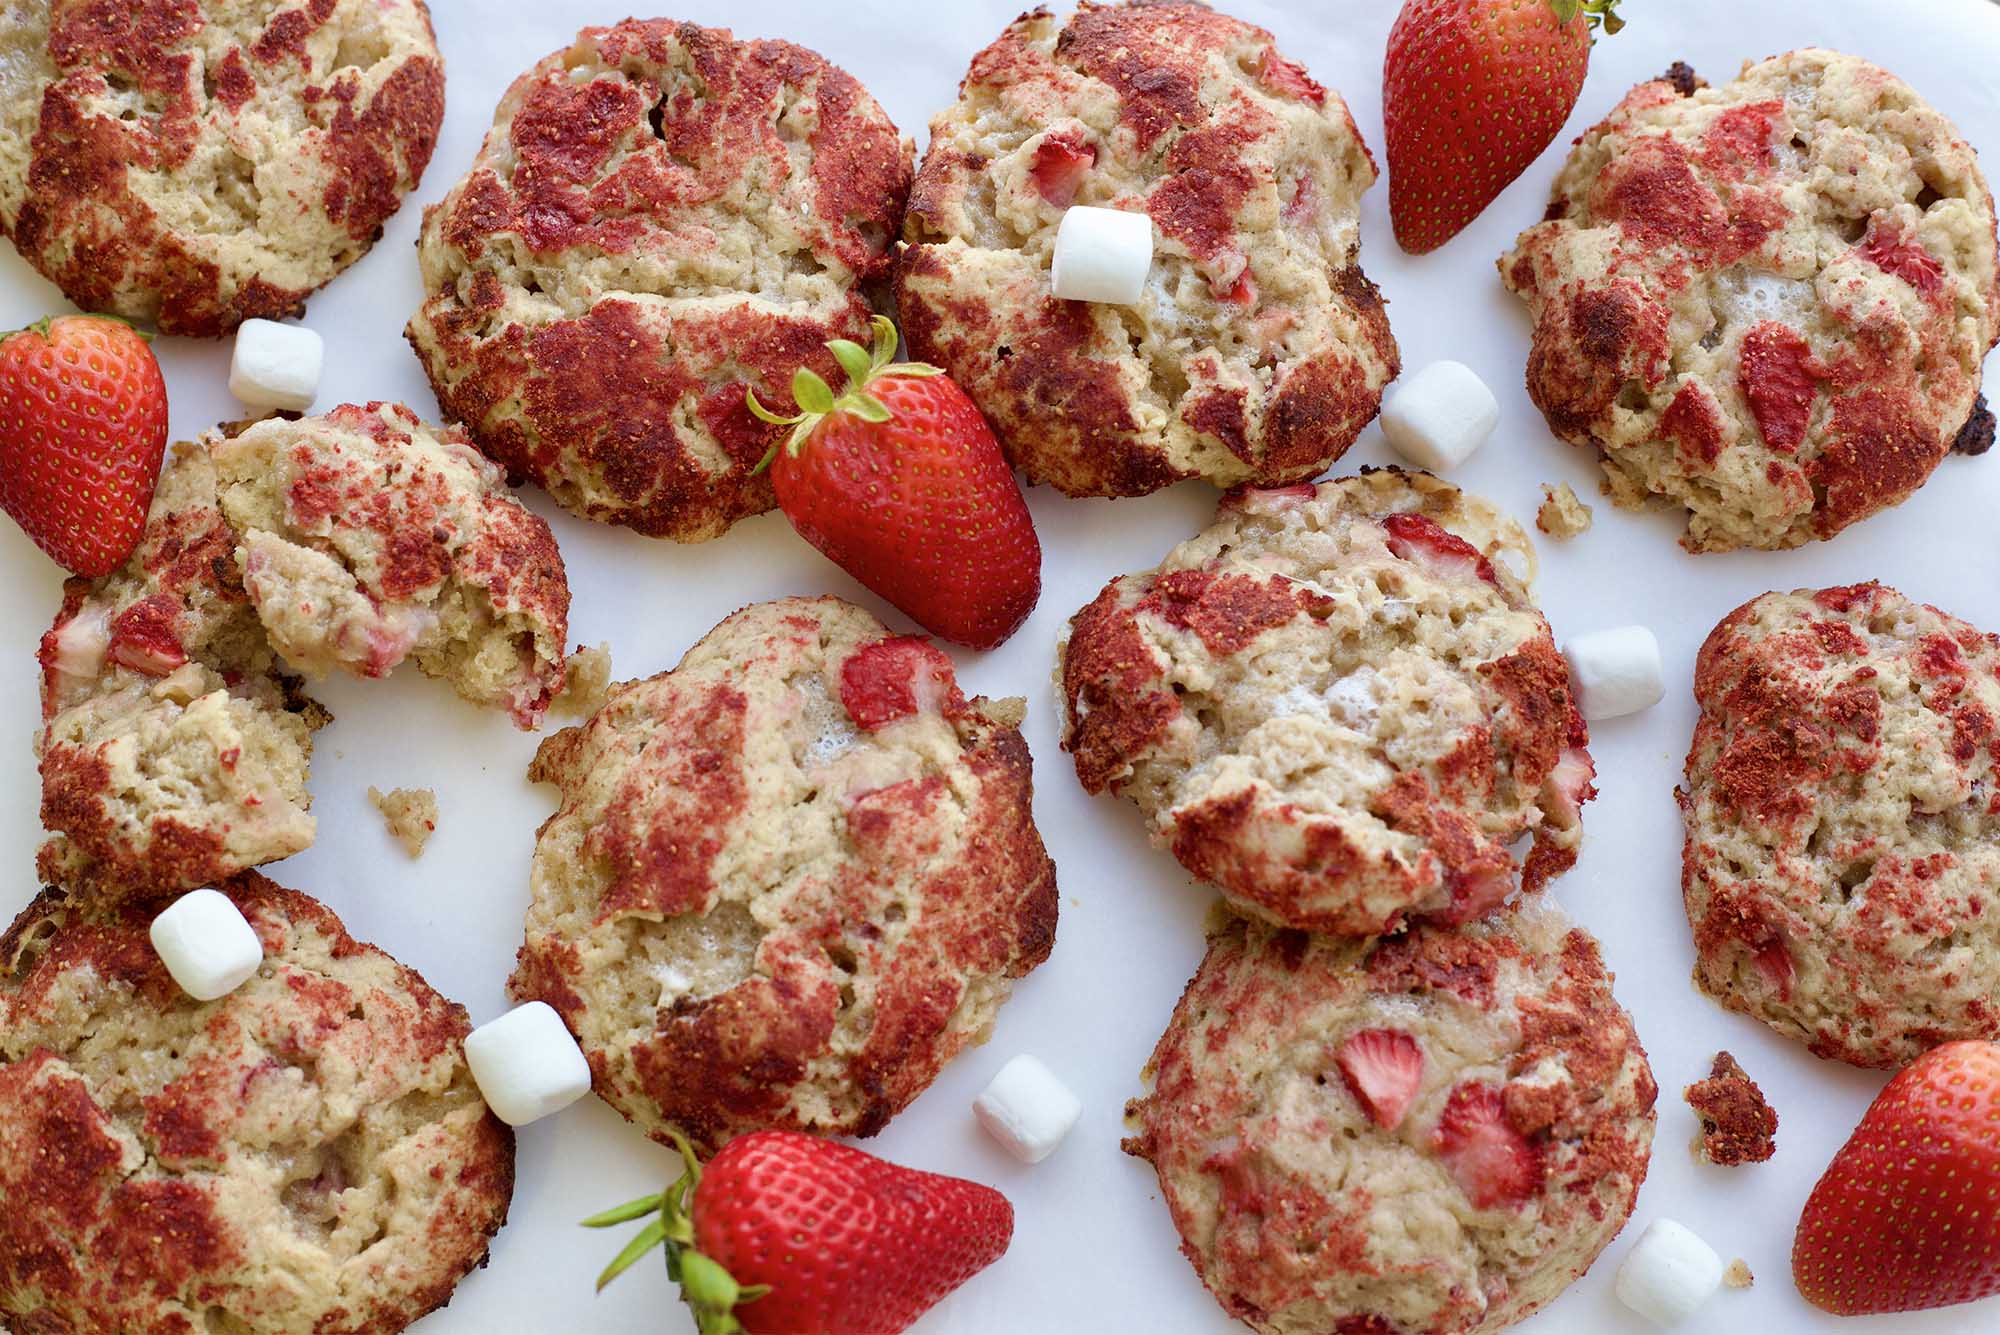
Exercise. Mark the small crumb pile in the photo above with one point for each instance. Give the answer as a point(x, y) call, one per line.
point(1562, 515)
point(1738, 1275)
point(411, 814)
point(589, 678)
point(1737, 1125)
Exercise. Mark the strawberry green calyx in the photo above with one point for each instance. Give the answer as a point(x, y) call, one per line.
point(709, 1290)
point(815, 399)
point(1596, 13)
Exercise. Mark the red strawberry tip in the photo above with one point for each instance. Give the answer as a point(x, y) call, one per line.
point(816, 400)
point(707, 1287)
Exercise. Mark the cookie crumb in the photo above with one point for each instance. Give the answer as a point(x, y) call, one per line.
point(589, 678)
point(1737, 1125)
point(1562, 515)
point(1685, 81)
point(1976, 436)
point(1738, 1275)
point(411, 814)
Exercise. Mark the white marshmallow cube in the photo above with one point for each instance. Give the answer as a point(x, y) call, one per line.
point(1668, 1274)
point(276, 365)
point(207, 944)
point(1102, 255)
point(1615, 671)
point(1027, 1109)
point(1439, 416)
point(527, 1065)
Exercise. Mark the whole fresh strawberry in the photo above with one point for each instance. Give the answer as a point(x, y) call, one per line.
point(1908, 1214)
point(83, 423)
point(1472, 92)
point(900, 483)
point(788, 1234)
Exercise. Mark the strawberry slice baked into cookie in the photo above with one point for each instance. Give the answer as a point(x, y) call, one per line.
point(1338, 705)
point(1435, 1132)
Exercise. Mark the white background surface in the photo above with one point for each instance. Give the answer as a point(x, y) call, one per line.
point(1093, 1250)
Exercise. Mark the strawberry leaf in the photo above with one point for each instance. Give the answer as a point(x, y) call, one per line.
point(626, 1213)
point(853, 359)
point(811, 393)
point(647, 1238)
point(868, 408)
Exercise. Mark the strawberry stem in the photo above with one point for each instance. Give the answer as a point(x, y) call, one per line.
point(816, 401)
point(709, 1290)
point(1596, 13)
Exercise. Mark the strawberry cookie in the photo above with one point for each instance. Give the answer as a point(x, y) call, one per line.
point(196, 163)
point(366, 537)
point(307, 1153)
point(1842, 863)
point(1256, 350)
point(173, 746)
point(1337, 704)
point(1765, 303)
point(788, 880)
point(660, 217)
point(1432, 1133)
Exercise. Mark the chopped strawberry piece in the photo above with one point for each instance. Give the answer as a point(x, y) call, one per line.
point(1061, 162)
point(1570, 783)
point(1780, 378)
point(1287, 79)
point(1493, 1164)
point(74, 650)
point(1421, 539)
point(1383, 1068)
point(1476, 892)
point(895, 678)
point(1304, 202)
point(1775, 963)
point(1893, 253)
point(1242, 292)
point(146, 636)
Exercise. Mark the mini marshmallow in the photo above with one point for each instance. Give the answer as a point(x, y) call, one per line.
point(1027, 1109)
point(527, 1065)
point(207, 944)
point(1102, 255)
point(1615, 671)
point(1439, 416)
point(1668, 1274)
point(276, 365)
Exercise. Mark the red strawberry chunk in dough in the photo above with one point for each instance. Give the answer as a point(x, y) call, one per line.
point(1286, 79)
point(1571, 781)
point(1421, 539)
point(1775, 963)
point(146, 636)
point(1893, 253)
point(1493, 1164)
point(895, 678)
point(1383, 1068)
point(1061, 162)
point(1781, 379)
